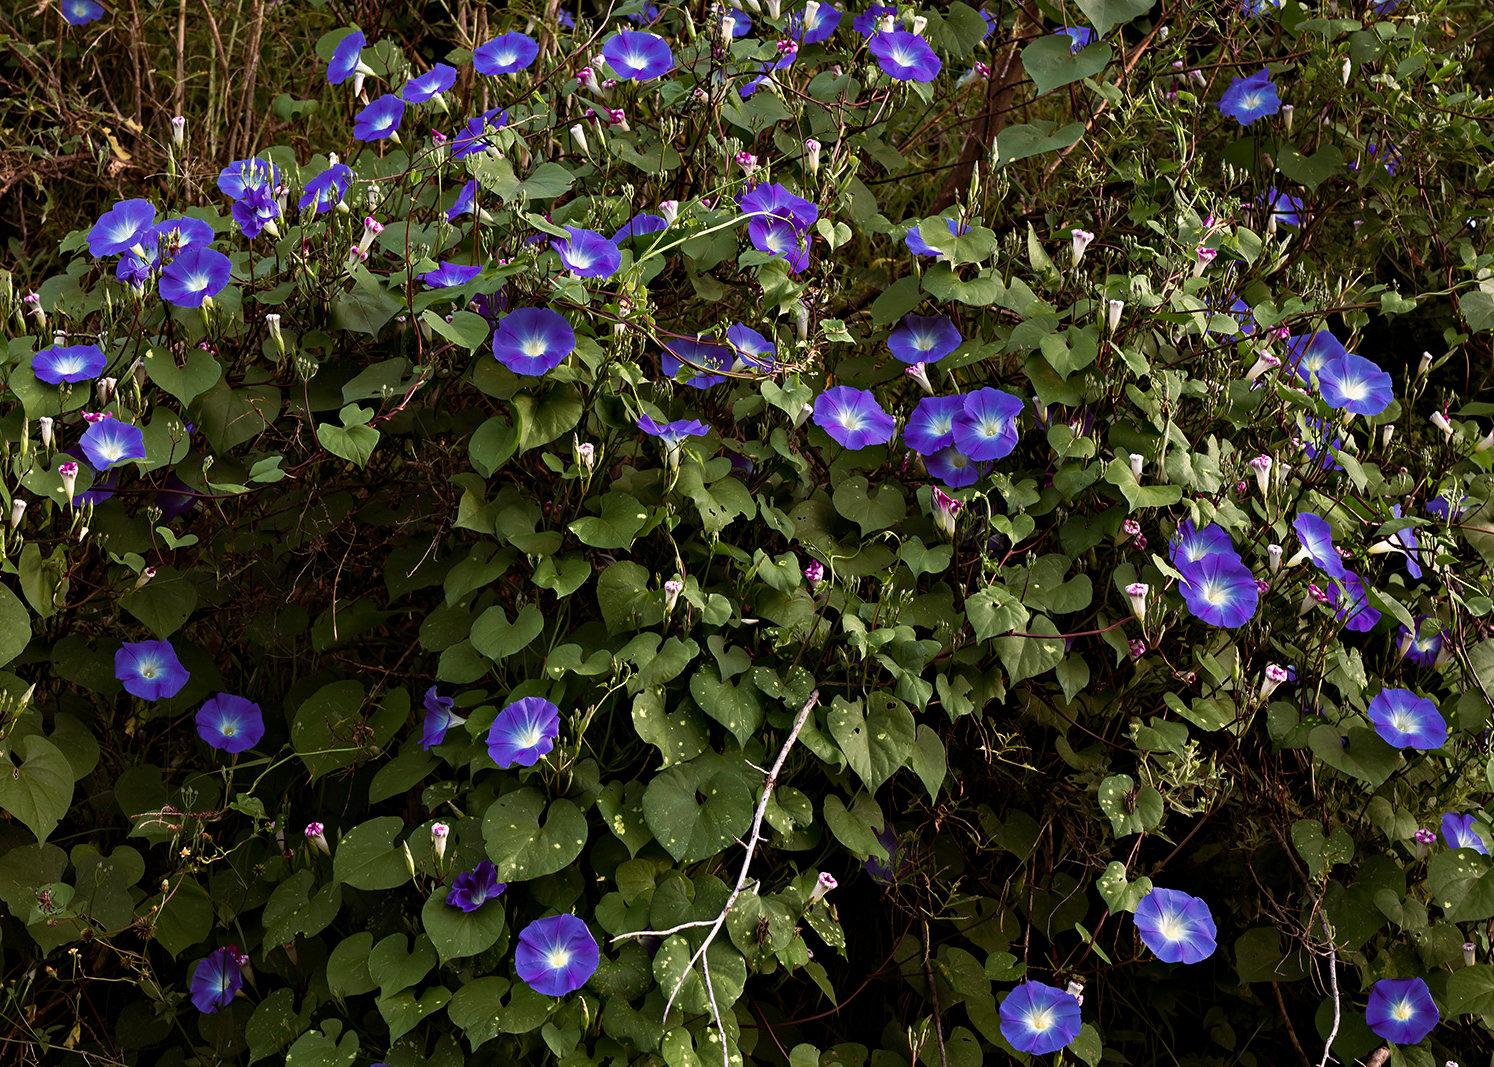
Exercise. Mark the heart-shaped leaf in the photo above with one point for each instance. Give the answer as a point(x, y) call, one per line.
point(696, 809)
point(1311, 171)
point(735, 707)
point(1051, 62)
point(394, 968)
point(878, 743)
point(39, 791)
point(528, 841)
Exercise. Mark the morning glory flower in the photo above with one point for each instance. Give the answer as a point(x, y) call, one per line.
point(1079, 37)
point(773, 201)
point(1175, 926)
point(68, 363)
point(887, 872)
point(470, 139)
point(215, 980)
point(638, 56)
point(466, 199)
point(672, 433)
point(110, 441)
point(1423, 646)
point(1405, 720)
point(123, 225)
point(1189, 545)
point(1039, 1019)
point(917, 245)
point(256, 211)
point(650, 13)
point(1319, 443)
point(905, 57)
point(853, 417)
point(931, 426)
point(1220, 590)
point(244, 174)
point(436, 80)
point(230, 723)
point(1352, 606)
point(1248, 99)
point(639, 225)
point(80, 12)
point(1310, 353)
point(1403, 542)
point(556, 955)
point(327, 189)
point(781, 240)
point(866, 22)
point(174, 236)
point(924, 338)
point(816, 24)
point(379, 119)
point(588, 254)
point(987, 428)
point(506, 54)
point(695, 354)
point(533, 341)
point(1458, 832)
point(1286, 210)
point(756, 350)
point(1401, 1010)
point(438, 719)
point(150, 669)
point(472, 889)
point(1356, 385)
point(194, 276)
point(954, 468)
point(523, 732)
point(1317, 542)
point(346, 57)
point(449, 274)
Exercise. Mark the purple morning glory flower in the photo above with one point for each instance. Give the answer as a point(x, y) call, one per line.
point(816, 28)
point(150, 669)
point(1079, 37)
point(465, 201)
point(1356, 385)
point(175, 499)
point(682, 352)
point(327, 189)
point(588, 254)
point(449, 274)
point(1039, 1019)
point(470, 139)
point(917, 245)
point(345, 58)
point(123, 225)
point(905, 57)
point(1317, 540)
point(741, 24)
point(506, 54)
point(523, 732)
point(134, 270)
point(80, 12)
point(1175, 926)
point(1401, 1010)
point(436, 80)
point(1440, 507)
point(639, 225)
point(379, 119)
point(194, 276)
point(650, 13)
point(637, 56)
point(1248, 99)
point(174, 236)
point(987, 428)
point(1458, 832)
point(438, 719)
point(887, 873)
point(244, 174)
point(931, 426)
point(1422, 646)
point(230, 723)
point(215, 980)
point(1243, 316)
point(853, 417)
point(924, 338)
point(1286, 210)
point(772, 201)
point(672, 433)
point(954, 468)
point(68, 363)
point(781, 240)
point(756, 349)
point(1404, 542)
point(1220, 590)
point(556, 955)
point(1189, 545)
point(110, 441)
point(1352, 605)
point(1310, 353)
point(1405, 720)
point(256, 209)
point(1322, 438)
point(866, 22)
point(533, 341)
point(472, 889)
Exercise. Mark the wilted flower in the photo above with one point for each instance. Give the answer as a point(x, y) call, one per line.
point(814, 573)
point(1424, 840)
point(1136, 647)
point(469, 891)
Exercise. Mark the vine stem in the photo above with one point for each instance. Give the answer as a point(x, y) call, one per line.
point(769, 783)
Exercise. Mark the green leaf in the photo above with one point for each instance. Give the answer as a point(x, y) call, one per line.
point(871, 509)
point(856, 827)
point(929, 761)
point(621, 808)
point(493, 444)
point(1470, 991)
point(735, 707)
point(496, 638)
point(1118, 473)
point(541, 419)
point(185, 383)
point(38, 792)
point(15, 626)
point(972, 246)
point(403, 1011)
point(522, 845)
point(353, 441)
point(877, 744)
point(698, 808)
point(1258, 957)
point(1366, 756)
point(620, 522)
point(347, 966)
point(363, 311)
point(1130, 810)
point(994, 610)
point(368, 856)
point(1027, 657)
point(548, 180)
point(164, 603)
point(316, 1048)
point(466, 328)
point(1032, 139)
point(1120, 895)
point(273, 1026)
point(1321, 853)
point(456, 933)
point(471, 1009)
point(1311, 171)
point(1461, 885)
point(229, 417)
point(394, 968)
point(1051, 64)
point(324, 725)
point(942, 282)
point(1478, 308)
point(1105, 15)
point(897, 299)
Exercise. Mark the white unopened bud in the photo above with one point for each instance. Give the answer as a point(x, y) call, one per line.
point(885, 24)
point(178, 131)
point(1425, 365)
point(801, 321)
point(1081, 240)
point(1273, 557)
point(17, 512)
point(1439, 420)
point(1137, 592)
point(1347, 69)
point(105, 387)
point(919, 24)
point(803, 416)
point(1485, 443)
point(439, 831)
point(1286, 117)
point(579, 133)
point(1113, 316)
point(1386, 433)
point(812, 155)
point(672, 590)
point(670, 209)
point(1138, 464)
point(144, 576)
point(919, 372)
point(46, 430)
point(68, 472)
point(273, 322)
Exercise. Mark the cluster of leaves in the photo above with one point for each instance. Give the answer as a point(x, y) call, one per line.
point(445, 632)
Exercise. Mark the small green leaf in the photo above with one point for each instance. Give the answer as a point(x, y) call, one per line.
point(39, 791)
point(353, 441)
point(1032, 139)
point(369, 857)
point(1051, 63)
point(1119, 894)
point(1130, 810)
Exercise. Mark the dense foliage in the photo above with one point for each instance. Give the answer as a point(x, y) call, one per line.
point(771, 534)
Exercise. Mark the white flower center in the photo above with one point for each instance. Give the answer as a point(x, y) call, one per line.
point(1041, 1020)
point(992, 427)
point(1171, 926)
point(1402, 1011)
point(533, 347)
point(558, 958)
point(1250, 102)
point(530, 737)
point(1403, 722)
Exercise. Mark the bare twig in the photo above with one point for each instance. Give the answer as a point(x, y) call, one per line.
point(1333, 982)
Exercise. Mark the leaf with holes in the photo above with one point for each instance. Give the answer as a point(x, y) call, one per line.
point(698, 808)
point(878, 743)
point(526, 840)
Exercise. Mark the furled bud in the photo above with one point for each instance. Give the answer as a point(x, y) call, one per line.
point(46, 430)
point(579, 133)
point(1137, 592)
point(69, 473)
point(316, 834)
point(17, 512)
point(822, 885)
point(1113, 317)
point(672, 590)
point(179, 131)
point(1286, 117)
point(1081, 240)
point(919, 372)
point(812, 155)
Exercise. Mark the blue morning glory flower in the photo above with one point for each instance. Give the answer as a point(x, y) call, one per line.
point(1322, 437)
point(1244, 317)
point(931, 426)
point(638, 56)
point(905, 57)
point(866, 22)
point(523, 732)
point(110, 441)
point(1401, 1010)
point(650, 13)
point(124, 225)
point(556, 955)
point(1405, 720)
point(243, 174)
point(1458, 832)
point(924, 338)
point(438, 718)
point(1079, 37)
point(255, 210)
point(1440, 507)
point(80, 12)
point(1248, 99)
point(954, 468)
point(741, 24)
point(987, 428)
point(1404, 542)
point(150, 669)
point(1220, 590)
point(1175, 926)
point(533, 341)
point(174, 236)
point(1352, 605)
point(1286, 210)
point(1189, 545)
point(771, 200)
point(1039, 1019)
point(230, 723)
point(917, 245)
point(756, 350)
point(379, 119)
point(815, 28)
point(506, 54)
point(327, 189)
point(672, 433)
point(1317, 540)
point(1356, 385)
point(471, 138)
point(474, 888)
point(193, 276)
point(465, 201)
point(1422, 646)
point(853, 417)
point(888, 872)
point(216, 980)
point(1385, 7)
point(449, 274)
point(696, 354)
point(588, 254)
point(345, 57)
point(436, 80)
point(639, 225)
point(781, 240)
point(69, 363)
